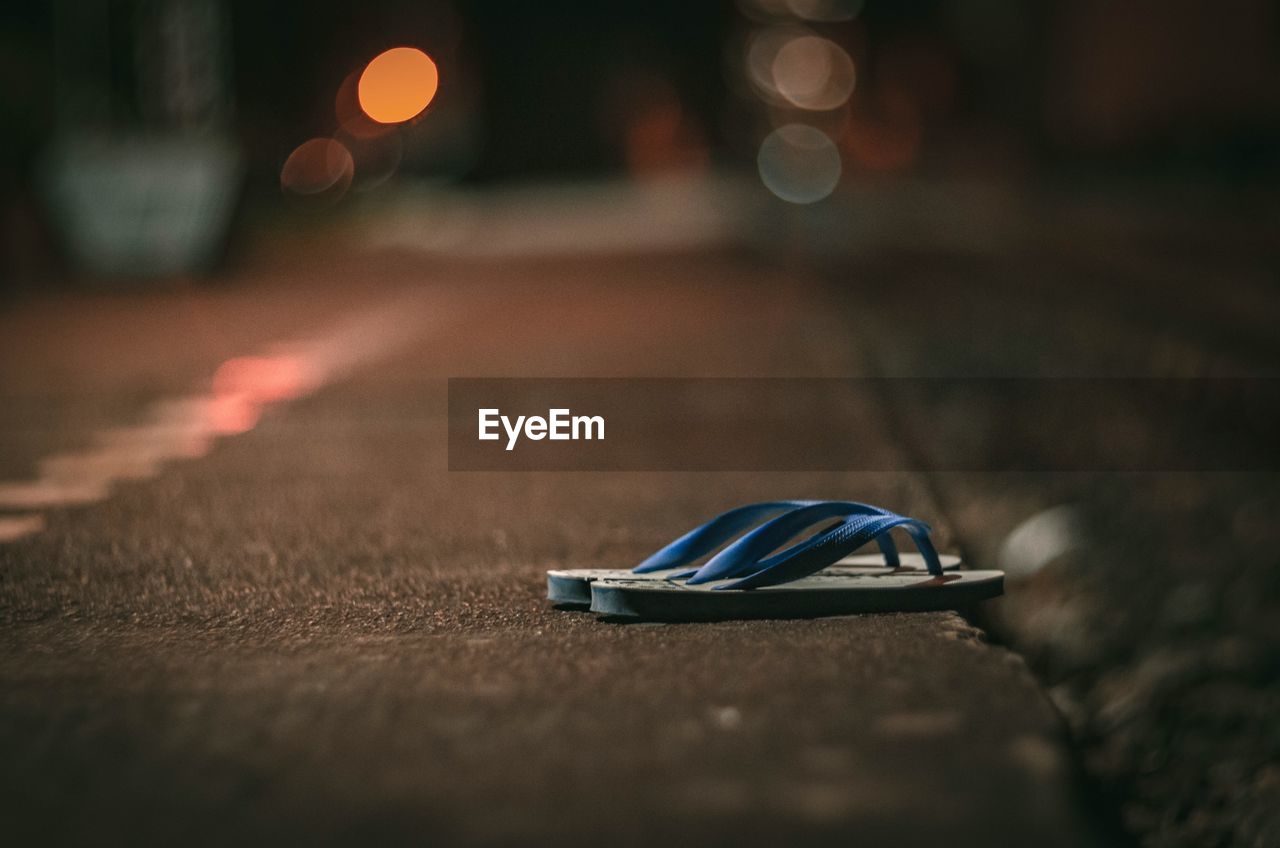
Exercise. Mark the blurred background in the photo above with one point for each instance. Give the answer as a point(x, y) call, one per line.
point(980, 188)
point(250, 116)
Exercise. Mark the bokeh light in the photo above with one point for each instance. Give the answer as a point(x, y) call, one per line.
point(799, 163)
point(351, 117)
point(397, 85)
point(319, 170)
point(813, 73)
point(376, 158)
point(762, 48)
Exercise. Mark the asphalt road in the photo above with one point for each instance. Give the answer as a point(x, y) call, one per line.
point(311, 630)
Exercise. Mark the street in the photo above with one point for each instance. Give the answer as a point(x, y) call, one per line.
point(310, 629)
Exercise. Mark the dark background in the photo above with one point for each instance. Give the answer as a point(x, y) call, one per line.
point(1153, 89)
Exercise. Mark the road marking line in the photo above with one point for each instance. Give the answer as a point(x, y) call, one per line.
point(16, 526)
point(187, 427)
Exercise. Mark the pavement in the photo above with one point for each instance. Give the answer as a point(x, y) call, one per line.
point(298, 625)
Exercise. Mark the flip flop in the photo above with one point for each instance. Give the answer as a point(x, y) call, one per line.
point(809, 597)
point(571, 588)
point(793, 583)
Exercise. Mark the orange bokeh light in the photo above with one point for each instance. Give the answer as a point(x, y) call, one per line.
point(397, 85)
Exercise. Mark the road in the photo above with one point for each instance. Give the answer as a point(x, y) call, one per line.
point(295, 623)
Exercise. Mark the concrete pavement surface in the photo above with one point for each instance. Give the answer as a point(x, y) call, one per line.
point(306, 628)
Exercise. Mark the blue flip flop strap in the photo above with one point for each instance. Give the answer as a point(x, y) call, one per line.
point(702, 540)
point(831, 546)
point(744, 556)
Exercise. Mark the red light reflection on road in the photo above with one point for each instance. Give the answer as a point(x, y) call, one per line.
point(262, 379)
point(244, 385)
point(183, 428)
point(187, 427)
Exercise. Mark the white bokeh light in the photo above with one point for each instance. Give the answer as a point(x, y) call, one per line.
point(813, 73)
point(799, 163)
